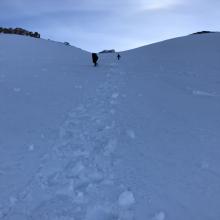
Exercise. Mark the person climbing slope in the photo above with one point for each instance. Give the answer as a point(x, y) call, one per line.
point(119, 56)
point(95, 58)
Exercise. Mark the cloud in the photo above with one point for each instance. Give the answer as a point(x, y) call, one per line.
point(159, 4)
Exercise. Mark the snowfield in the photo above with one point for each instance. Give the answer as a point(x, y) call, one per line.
point(134, 139)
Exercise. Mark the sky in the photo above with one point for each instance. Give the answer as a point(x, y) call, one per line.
point(95, 25)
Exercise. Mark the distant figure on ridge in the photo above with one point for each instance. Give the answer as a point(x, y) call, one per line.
point(119, 56)
point(95, 58)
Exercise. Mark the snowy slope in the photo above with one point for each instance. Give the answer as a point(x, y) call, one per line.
point(132, 139)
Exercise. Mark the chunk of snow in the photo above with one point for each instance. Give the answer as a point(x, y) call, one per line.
point(31, 147)
point(115, 95)
point(13, 200)
point(71, 185)
point(78, 87)
point(131, 134)
point(110, 147)
point(159, 216)
point(78, 169)
point(126, 199)
point(17, 89)
point(42, 136)
point(80, 198)
point(202, 93)
point(2, 78)
point(112, 111)
point(113, 102)
point(44, 69)
point(205, 165)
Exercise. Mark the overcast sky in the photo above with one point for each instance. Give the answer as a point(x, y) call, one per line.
point(95, 25)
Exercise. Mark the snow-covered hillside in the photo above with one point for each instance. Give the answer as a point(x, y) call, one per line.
point(134, 139)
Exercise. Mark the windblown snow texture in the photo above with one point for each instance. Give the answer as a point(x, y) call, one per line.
point(131, 139)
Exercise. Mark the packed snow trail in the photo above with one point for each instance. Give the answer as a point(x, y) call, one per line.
point(76, 179)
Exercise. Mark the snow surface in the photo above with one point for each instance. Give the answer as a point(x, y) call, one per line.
point(134, 139)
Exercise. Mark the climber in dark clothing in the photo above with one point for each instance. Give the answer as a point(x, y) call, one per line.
point(119, 56)
point(95, 58)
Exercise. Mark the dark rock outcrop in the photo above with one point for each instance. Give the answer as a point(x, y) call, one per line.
point(108, 51)
point(19, 31)
point(66, 43)
point(204, 32)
